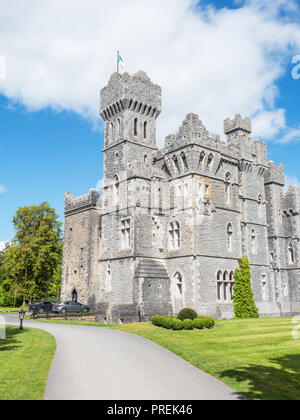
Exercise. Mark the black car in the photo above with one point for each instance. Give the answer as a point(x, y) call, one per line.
point(42, 307)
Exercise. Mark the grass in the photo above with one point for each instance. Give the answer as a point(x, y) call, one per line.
point(25, 359)
point(9, 310)
point(258, 358)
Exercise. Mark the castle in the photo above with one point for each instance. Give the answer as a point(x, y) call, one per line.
point(170, 225)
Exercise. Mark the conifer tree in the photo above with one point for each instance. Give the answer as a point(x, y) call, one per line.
point(243, 300)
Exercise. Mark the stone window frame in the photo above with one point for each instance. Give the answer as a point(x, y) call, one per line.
point(174, 235)
point(135, 127)
point(126, 233)
point(225, 286)
point(229, 232)
point(228, 188)
point(264, 288)
point(116, 190)
point(291, 253)
point(145, 130)
point(253, 242)
point(260, 204)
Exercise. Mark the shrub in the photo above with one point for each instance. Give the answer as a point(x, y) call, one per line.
point(243, 300)
point(188, 324)
point(168, 322)
point(187, 313)
point(178, 325)
point(208, 322)
point(156, 321)
point(198, 323)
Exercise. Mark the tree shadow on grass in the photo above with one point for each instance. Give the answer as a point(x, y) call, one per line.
point(270, 382)
point(9, 343)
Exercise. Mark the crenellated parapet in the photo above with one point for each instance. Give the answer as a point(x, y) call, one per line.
point(134, 93)
point(275, 174)
point(89, 201)
point(192, 131)
point(291, 201)
point(238, 125)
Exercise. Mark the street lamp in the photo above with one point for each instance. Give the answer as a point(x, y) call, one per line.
point(21, 317)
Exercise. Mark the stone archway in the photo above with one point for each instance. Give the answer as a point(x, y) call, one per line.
point(74, 295)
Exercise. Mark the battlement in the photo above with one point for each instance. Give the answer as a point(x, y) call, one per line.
point(135, 93)
point(275, 175)
point(85, 202)
point(238, 124)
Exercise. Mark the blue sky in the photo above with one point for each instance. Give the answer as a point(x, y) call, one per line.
point(51, 137)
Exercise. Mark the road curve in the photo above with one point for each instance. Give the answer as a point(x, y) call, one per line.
point(94, 363)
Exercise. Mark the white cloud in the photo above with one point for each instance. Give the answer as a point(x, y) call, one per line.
point(291, 180)
point(213, 62)
point(2, 189)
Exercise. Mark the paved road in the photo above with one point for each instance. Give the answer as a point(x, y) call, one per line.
point(100, 364)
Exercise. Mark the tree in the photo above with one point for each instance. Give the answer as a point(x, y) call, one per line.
point(243, 300)
point(32, 263)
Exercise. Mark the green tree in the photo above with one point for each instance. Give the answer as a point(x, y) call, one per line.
point(32, 263)
point(243, 300)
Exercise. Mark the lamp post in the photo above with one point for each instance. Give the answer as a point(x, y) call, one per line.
point(21, 317)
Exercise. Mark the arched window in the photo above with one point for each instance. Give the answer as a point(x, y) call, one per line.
point(178, 282)
point(174, 234)
point(291, 253)
point(145, 130)
point(176, 164)
point(210, 162)
point(227, 188)
point(229, 236)
point(225, 286)
point(201, 161)
point(135, 126)
point(219, 286)
point(253, 241)
point(231, 285)
point(119, 127)
point(260, 206)
point(111, 131)
point(116, 189)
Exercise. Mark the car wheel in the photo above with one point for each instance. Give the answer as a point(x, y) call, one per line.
point(63, 311)
point(85, 311)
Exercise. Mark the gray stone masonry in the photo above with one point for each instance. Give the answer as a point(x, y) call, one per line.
point(170, 225)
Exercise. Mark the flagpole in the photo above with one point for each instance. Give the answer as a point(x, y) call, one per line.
point(118, 53)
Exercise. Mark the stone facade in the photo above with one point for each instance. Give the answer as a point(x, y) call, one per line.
point(169, 226)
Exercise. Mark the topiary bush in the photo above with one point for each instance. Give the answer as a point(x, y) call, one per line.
point(178, 325)
point(243, 300)
point(168, 322)
point(208, 322)
point(198, 323)
point(188, 324)
point(156, 321)
point(187, 313)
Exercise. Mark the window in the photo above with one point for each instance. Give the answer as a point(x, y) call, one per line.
point(229, 237)
point(119, 127)
point(291, 253)
point(136, 127)
point(74, 295)
point(184, 161)
point(210, 162)
point(260, 206)
point(116, 188)
point(201, 161)
point(70, 234)
point(264, 288)
point(174, 233)
point(176, 165)
point(145, 130)
point(227, 188)
point(253, 242)
point(225, 287)
point(125, 231)
point(111, 131)
point(178, 282)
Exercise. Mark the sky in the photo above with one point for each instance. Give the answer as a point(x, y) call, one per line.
point(213, 58)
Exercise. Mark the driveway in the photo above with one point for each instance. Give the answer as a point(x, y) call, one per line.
point(101, 364)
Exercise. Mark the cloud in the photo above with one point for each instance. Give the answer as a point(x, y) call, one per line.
point(2, 189)
point(213, 62)
point(291, 180)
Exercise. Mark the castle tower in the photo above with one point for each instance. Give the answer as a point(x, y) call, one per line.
point(129, 107)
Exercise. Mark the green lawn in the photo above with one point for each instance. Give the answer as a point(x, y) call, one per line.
point(9, 310)
point(258, 358)
point(25, 360)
